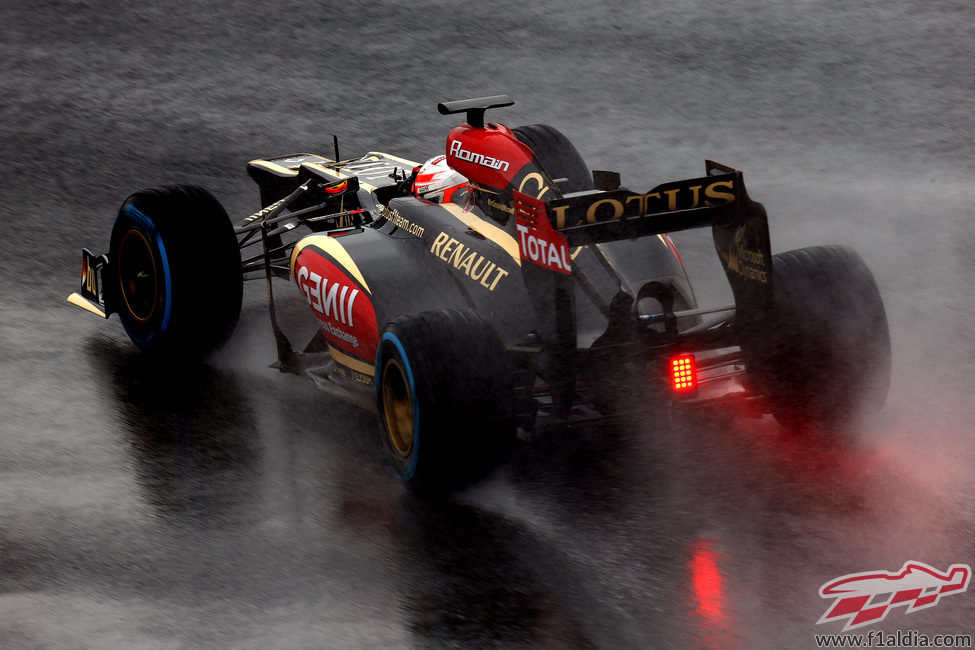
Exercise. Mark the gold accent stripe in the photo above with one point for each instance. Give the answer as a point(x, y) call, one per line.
point(333, 248)
point(408, 163)
point(351, 362)
point(78, 300)
point(492, 232)
point(270, 166)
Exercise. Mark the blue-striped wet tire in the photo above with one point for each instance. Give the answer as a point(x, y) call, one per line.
point(175, 267)
point(822, 358)
point(444, 395)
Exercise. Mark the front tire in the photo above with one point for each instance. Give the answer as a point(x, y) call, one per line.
point(176, 271)
point(822, 357)
point(444, 398)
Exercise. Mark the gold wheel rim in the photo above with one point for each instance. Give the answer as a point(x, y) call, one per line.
point(398, 407)
point(134, 288)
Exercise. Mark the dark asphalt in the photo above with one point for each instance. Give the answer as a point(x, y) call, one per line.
point(235, 507)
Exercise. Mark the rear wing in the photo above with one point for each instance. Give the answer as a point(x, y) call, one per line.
point(739, 225)
point(550, 231)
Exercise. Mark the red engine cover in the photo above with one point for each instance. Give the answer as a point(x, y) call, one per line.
point(490, 155)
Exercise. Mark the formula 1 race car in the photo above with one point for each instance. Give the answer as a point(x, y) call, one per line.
point(500, 285)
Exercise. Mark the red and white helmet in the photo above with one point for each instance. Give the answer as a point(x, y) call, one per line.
point(437, 182)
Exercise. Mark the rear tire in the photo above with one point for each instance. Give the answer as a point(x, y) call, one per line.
point(443, 388)
point(176, 271)
point(822, 358)
point(557, 156)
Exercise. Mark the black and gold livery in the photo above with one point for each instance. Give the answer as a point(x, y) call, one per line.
point(547, 291)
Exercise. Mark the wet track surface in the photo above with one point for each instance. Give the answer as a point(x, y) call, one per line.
point(233, 506)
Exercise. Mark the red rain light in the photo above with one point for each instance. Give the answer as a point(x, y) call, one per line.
point(683, 373)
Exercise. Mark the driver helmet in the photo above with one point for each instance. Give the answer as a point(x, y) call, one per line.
point(436, 182)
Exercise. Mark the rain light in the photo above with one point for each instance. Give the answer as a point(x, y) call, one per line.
point(683, 373)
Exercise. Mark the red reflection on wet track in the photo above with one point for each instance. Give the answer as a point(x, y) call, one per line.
point(706, 581)
point(715, 627)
